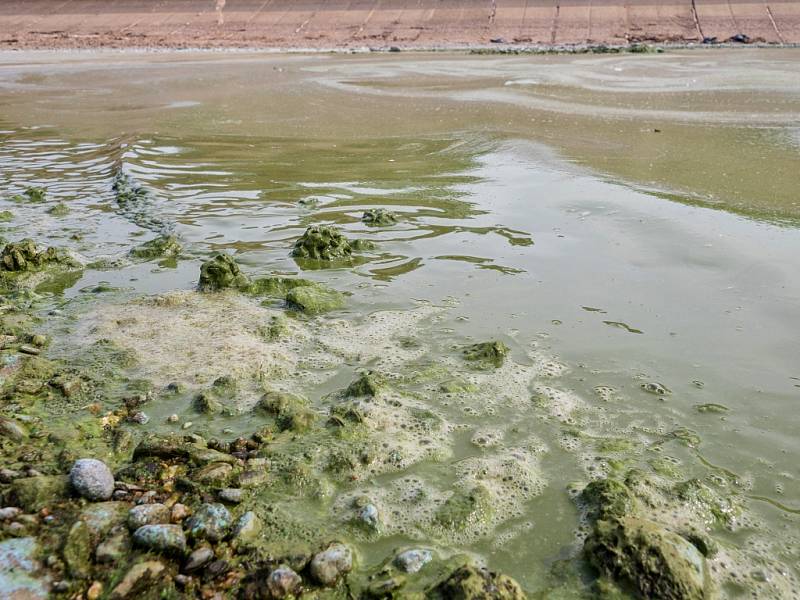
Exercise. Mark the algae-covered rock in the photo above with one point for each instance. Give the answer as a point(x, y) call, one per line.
point(102, 517)
point(36, 493)
point(329, 565)
point(276, 286)
point(25, 255)
point(379, 217)
point(465, 508)
point(291, 412)
point(608, 498)
point(164, 246)
point(368, 383)
point(644, 556)
point(246, 530)
point(473, 583)
point(221, 272)
point(148, 514)
point(282, 582)
point(211, 401)
point(6, 216)
point(314, 299)
point(413, 560)
point(486, 354)
point(77, 550)
point(322, 242)
point(31, 194)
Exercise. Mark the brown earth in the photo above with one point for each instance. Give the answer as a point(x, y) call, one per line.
point(327, 24)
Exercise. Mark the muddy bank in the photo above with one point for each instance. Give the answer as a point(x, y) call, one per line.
point(400, 24)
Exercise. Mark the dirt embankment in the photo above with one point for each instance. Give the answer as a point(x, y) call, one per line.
point(386, 23)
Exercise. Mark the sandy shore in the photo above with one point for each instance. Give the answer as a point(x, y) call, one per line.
point(324, 24)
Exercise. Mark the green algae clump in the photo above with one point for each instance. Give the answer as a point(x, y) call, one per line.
point(31, 194)
point(649, 559)
point(165, 246)
point(379, 217)
point(221, 272)
point(6, 216)
point(472, 583)
point(368, 384)
point(276, 286)
point(322, 242)
point(486, 354)
point(314, 299)
point(59, 210)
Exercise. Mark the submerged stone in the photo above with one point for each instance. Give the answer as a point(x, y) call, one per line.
point(486, 353)
point(645, 556)
point(92, 479)
point(221, 272)
point(473, 583)
point(164, 246)
point(291, 412)
point(322, 242)
point(138, 578)
point(379, 217)
point(465, 508)
point(330, 564)
point(78, 550)
point(314, 299)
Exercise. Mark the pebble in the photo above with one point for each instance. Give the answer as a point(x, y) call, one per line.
point(198, 558)
point(412, 561)
point(211, 522)
point(147, 514)
point(283, 582)
point(327, 566)
point(94, 591)
point(172, 418)
point(163, 538)
point(232, 495)
point(179, 513)
point(92, 479)
point(369, 516)
point(187, 425)
point(139, 417)
point(33, 351)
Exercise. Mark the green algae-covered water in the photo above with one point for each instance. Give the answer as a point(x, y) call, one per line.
point(626, 226)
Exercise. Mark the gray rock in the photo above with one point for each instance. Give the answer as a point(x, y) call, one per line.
point(368, 515)
point(283, 582)
point(17, 565)
point(8, 513)
point(162, 538)
point(147, 514)
point(412, 561)
point(92, 479)
point(330, 564)
point(232, 495)
point(198, 558)
point(246, 530)
point(210, 522)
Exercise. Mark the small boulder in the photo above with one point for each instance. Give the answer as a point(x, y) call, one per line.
point(291, 411)
point(330, 564)
point(314, 299)
point(486, 354)
point(379, 217)
point(164, 246)
point(92, 479)
point(411, 561)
